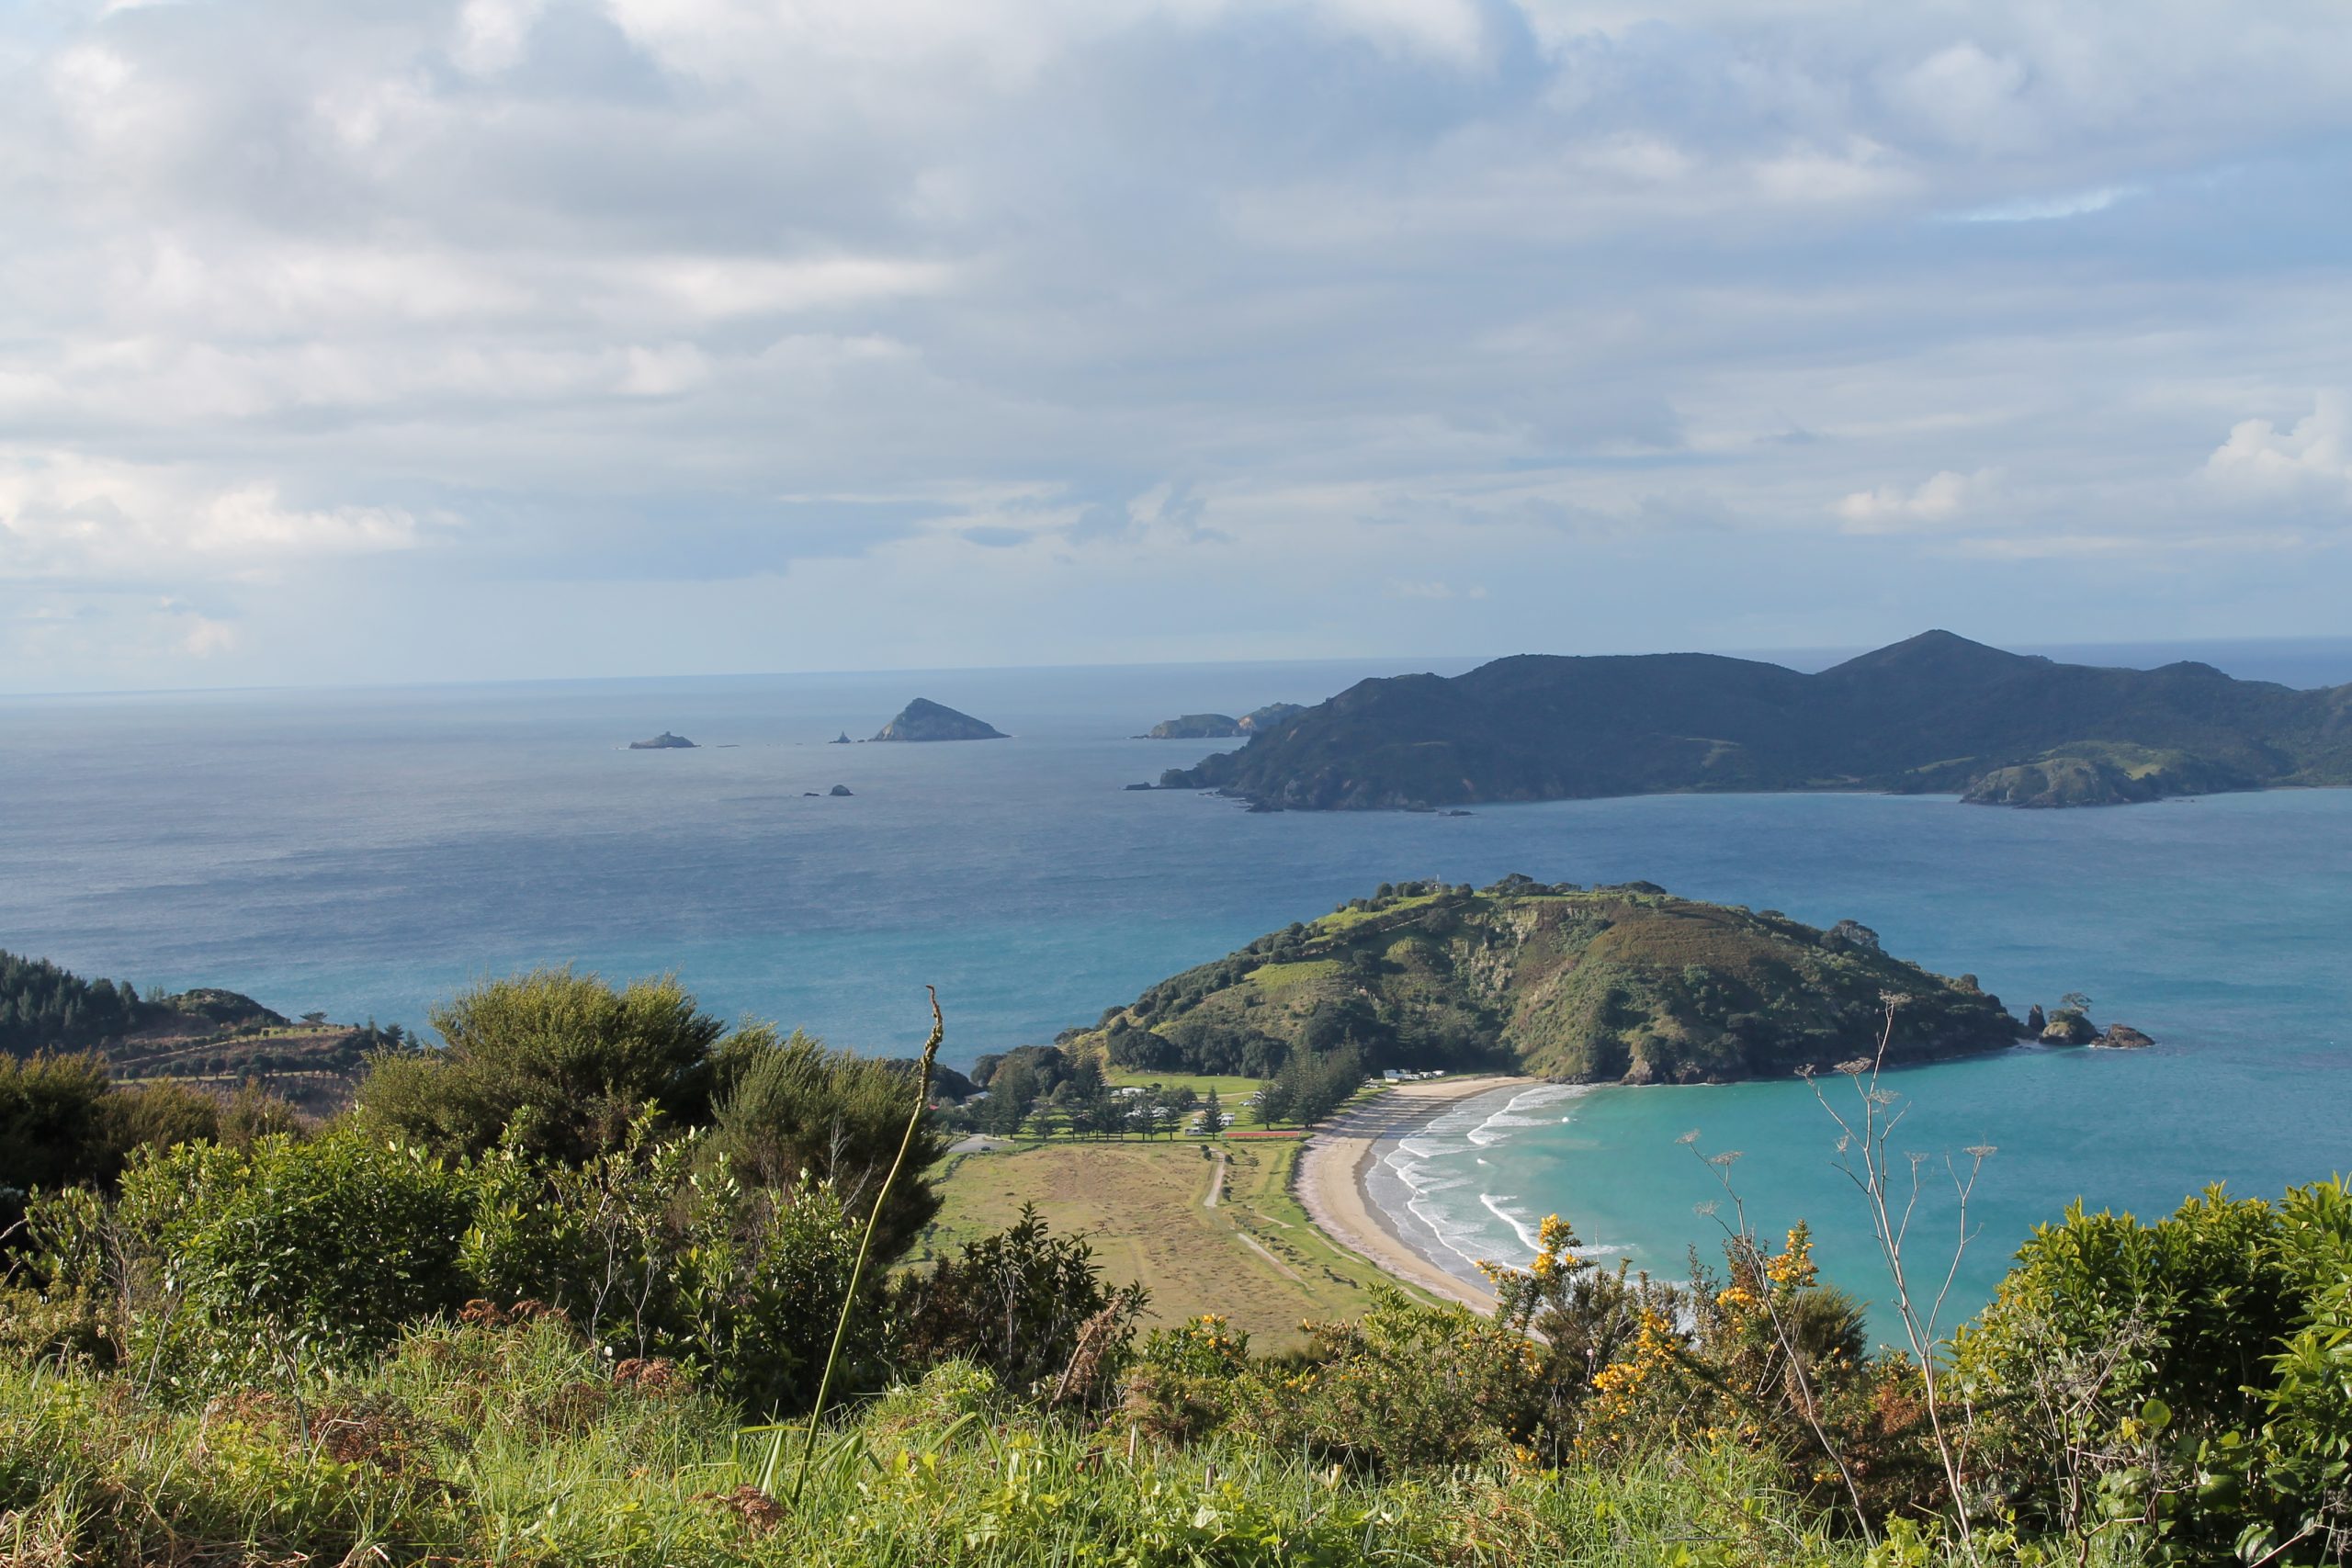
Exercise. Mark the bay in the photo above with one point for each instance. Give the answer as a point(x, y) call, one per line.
point(367, 854)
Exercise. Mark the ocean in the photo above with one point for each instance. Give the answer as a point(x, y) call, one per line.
point(367, 854)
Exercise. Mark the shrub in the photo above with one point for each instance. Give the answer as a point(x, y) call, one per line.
point(564, 1058)
point(52, 1122)
point(1403, 1386)
point(1023, 1304)
point(793, 1112)
point(661, 1253)
point(333, 1245)
point(2175, 1378)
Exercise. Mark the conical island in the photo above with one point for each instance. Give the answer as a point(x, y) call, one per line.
point(923, 720)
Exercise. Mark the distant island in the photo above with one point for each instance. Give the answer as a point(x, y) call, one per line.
point(1218, 725)
point(841, 740)
point(665, 741)
point(1605, 985)
point(923, 720)
point(1933, 714)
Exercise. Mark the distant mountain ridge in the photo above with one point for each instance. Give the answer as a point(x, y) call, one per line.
point(1934, 713)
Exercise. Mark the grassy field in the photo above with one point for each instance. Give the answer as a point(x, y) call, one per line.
point(1254, 1257)
point(1231, 1087)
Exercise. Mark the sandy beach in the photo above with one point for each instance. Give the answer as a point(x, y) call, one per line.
point(1332, 1166)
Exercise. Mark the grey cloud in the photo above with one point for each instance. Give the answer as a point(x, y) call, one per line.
point(595, 292)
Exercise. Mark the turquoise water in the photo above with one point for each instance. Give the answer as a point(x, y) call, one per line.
point(366, 853)
point(2222, 927)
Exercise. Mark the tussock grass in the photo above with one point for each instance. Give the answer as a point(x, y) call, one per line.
point(519, 1444)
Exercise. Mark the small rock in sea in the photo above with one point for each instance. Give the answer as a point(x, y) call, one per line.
point(811, 795)
point(1139, 787)
point(841, 740)
point(2034, 1022)
point(838, 789)
point(1454, 814)
point(2123, 1037)
point(2068, 1027)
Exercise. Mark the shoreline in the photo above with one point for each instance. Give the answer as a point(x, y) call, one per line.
point(1334, 1164)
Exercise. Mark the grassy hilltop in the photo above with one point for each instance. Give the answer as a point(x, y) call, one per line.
point(1625, 984)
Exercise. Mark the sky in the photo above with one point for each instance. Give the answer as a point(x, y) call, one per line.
point(402, 340)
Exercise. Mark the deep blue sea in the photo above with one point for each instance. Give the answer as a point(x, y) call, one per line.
point(367, 853)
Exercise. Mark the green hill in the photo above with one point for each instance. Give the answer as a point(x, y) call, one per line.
point(1936, 713)
point(1603, 984)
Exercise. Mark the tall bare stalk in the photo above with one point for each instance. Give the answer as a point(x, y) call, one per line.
point(873, 1219)
point(1749, 1254)
point(1863, 1157)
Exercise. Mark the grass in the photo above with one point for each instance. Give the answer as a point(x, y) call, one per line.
point(1279, 980)
point(1233, 1089)
point(1255, 1257)
point(1348, 920)
point(517, 1445)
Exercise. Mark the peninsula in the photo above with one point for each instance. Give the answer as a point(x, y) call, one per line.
point(1604, 985)
point(1937, 713)
point(1219, 726)
point(923, 720)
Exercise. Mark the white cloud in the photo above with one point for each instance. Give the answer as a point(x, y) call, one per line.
point(199, 636)
point(1943, 497)
point(68, 516)
point(2312, 461)
point(2039, 209)
point(1969, 97)
point(492, 34)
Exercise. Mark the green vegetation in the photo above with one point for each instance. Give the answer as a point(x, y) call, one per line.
point(1254, 1256)
point(45, 1008)
point(516, 1443)
point(217, 1038)
point(1935, 713)
point(1609, 983)
point(500, 1313)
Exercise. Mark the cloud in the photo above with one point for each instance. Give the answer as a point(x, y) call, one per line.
point(2042, 210)
point(2310, 462)
point(64, 516)
point(199, 636)
point(1943, 497)
point(754, 296)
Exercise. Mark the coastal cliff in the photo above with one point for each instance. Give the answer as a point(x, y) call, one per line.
point(1627, 983)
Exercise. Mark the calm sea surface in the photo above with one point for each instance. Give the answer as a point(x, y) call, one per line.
point(369, 852)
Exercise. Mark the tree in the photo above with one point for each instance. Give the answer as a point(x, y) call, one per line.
point(1213, 1115)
